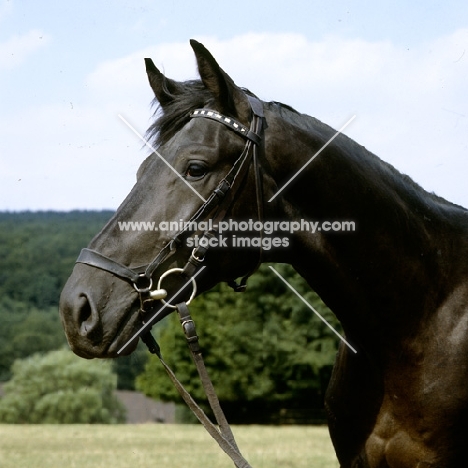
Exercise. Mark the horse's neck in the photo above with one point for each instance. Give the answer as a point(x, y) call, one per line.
point(390, 268)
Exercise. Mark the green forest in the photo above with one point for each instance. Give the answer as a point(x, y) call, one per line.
point(269, 356)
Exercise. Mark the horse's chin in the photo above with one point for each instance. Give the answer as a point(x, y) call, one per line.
point(123, 343)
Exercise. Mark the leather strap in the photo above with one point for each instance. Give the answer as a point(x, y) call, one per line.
point(229, 122)
point(236, 457)
point(98, 260)
point(222, 434)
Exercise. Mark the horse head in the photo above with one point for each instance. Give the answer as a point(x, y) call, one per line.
point(203, 171)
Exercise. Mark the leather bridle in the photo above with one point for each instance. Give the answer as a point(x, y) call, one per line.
point(215, 207)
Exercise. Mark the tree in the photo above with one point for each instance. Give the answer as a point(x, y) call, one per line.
point(26, 330)
point(265, 349)
point(38, 251)
point(59, 387)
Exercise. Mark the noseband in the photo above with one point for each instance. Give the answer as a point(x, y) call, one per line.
point(215, 208)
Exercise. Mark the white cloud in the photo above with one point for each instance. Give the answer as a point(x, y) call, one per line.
point(411, 108)
point(14, 51)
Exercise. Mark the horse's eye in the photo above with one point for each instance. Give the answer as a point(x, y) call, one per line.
point(195, 171)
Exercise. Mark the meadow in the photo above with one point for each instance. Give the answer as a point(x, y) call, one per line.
point(164, 446)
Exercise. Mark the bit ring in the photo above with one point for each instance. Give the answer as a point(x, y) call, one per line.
point(177, 270)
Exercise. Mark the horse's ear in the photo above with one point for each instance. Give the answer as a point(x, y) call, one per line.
point(231, 99)
point(164, 88)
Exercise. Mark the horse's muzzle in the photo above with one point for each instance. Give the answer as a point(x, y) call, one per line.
point(98, 328)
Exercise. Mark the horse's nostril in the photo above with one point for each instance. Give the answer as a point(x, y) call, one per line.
point(81, 318)
point(88, 318)
point(85, 312)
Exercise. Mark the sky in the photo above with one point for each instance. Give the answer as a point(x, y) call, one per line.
point(69, 69)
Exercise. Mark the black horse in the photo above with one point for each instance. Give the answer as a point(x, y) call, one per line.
point(398, 283)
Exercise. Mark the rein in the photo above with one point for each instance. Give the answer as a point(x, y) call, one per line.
point(223, 433)
point(215, 208)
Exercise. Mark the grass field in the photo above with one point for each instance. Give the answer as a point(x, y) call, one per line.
point(162, 446)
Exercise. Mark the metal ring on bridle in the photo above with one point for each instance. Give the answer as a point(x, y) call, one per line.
point(177, 270)
point(147, 288)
